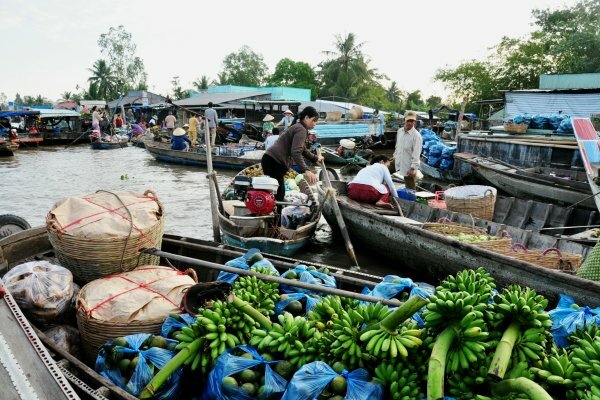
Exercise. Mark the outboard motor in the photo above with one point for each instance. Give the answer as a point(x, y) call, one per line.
point(257, 193)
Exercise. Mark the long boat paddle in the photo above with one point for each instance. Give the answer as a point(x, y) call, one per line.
point(338, 214)
point(397, 203)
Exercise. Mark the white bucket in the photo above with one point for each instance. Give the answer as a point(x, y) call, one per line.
point(348, 144)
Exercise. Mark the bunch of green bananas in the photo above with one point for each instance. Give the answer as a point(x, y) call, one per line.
point(401, 379)
point(374, 313)
point(262, 295)
point(530, 347)
point(465, 384)
point(294, 339)
point(585, 355)
point(476, 282)
point(328, 309)
point(557, 370)
point(386, 344)
point(342, 342)
point(521, 304)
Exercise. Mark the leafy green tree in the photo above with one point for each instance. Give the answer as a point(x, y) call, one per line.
point(472, 80)
point(67, 96)
point(244, 68)
point(92, 93)
point(414, 101)
point(104, 80)
point(119, 49)
point(393, 93)
point(433, 102)
point(201, 83)
point(18, 100)
point(346, 72)
point(3, 101)
point(296, 74)
point(178, 92)
point(571, 36)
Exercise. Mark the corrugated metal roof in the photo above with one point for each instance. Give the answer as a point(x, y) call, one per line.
point(137, 97)
point(333, 106)
point(573, 104)
point(217, 98)
point(570, 81)
point(58, 112)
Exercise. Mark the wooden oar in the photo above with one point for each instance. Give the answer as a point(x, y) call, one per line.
point(338, 215)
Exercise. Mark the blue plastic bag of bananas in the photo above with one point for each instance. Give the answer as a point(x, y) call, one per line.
point(288, 303)
point(252, 259)
point(130, 362)
point(241, 373)
point(174, 322)
point(567, 317)
point(318, 378)
point(306, 274)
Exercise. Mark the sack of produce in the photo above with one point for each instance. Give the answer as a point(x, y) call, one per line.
point(41, 289)
point(241, 373)
point(448, 151)
point(173, 324)
point(101, 233)
point(127, 303)
point(540, 121)
point(433, 161)
point(293, 217)
point(391, 286)
point(319, 380)
point(252, 258)
point(566, 125)
point(130, 362)
point(554, 121)
point(290, 184)
point(446, 164)
point(568, 317)
point(296, 303)
point(66, 337)
point(308, 274)
point(296, 196)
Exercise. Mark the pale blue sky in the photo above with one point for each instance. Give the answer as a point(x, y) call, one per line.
point(48, 46)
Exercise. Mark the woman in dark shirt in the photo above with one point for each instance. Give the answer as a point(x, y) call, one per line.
point(291, 149)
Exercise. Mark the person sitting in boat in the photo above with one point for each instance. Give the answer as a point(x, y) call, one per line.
point(286, 121)
point(373, 184)
point(268, 124)
point(271, 138)
point(180, 141)
point(290, 148)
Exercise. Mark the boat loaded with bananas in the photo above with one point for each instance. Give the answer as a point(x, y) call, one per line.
point(290, 331)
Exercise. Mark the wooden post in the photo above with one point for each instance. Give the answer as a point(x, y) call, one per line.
point(211, 185)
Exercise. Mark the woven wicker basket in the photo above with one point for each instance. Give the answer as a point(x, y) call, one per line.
point(515, 128)
point(477, 201)
point(90, 259)
point(500, 244)
point(95, 332)
point(446, 227)
point(551, 258)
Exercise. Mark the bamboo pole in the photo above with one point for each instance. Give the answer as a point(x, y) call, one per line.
point(212, 185)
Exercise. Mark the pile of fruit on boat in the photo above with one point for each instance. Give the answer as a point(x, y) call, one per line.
point(465, 341)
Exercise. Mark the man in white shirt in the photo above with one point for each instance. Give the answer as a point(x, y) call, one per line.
point(272, 138)
point(212, 119)
point(407, 155)
point(380, 118)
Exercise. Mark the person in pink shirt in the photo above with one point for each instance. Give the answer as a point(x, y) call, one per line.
point(170, 123)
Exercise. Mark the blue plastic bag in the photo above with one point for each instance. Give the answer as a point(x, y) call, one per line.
point(522, 119)
point(448, 151)
point(436, 150)
point(389, 287)
point(242, 263)
point(433, 161)
point(423, 290)
point(143, 372)
point(554, 121)
point(540, 121)
point(313, 378)
point(172, 324)
point(229, 364)
point(308, 276)
point(446, 164)
point(285, 299)
point(566, 125)
point(567, 318)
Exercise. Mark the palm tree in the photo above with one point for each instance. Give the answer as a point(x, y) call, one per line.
point(103, 79)
point(393, 93)
point(67, 96)
point(346, 73)
point(201, 83)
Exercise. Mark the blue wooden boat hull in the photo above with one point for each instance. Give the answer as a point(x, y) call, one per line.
point(108, 145)
point(285, 248)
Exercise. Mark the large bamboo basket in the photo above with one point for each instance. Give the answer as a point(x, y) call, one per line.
point(445, 227)
point(477, 201)
point(551, 258)
point(90, 259)
point(95, 332)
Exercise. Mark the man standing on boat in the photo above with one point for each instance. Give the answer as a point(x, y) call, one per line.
point(380, 119)
point(407, 155)
point(213, 120)
point(170, 123)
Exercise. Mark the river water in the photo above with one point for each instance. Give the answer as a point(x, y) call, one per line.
point(36, 178)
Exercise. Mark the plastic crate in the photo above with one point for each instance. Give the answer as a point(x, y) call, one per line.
point(407, 194)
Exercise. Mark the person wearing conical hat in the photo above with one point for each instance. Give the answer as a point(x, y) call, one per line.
point(286, 121)
point(180, 141)
point(268, 125)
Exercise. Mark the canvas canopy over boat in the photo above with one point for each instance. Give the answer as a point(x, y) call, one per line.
point(421, 250)
point(568, 187)
point(230, 157)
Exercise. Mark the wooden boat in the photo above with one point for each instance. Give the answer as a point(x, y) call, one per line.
point(163, 152)
point(102, 145)
point(588, 142)
point(181, 251)
point(558, 186)
point(449, 176)
point(262, 232)
point(8, 148)
point(332, 157)
point(407, 245)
